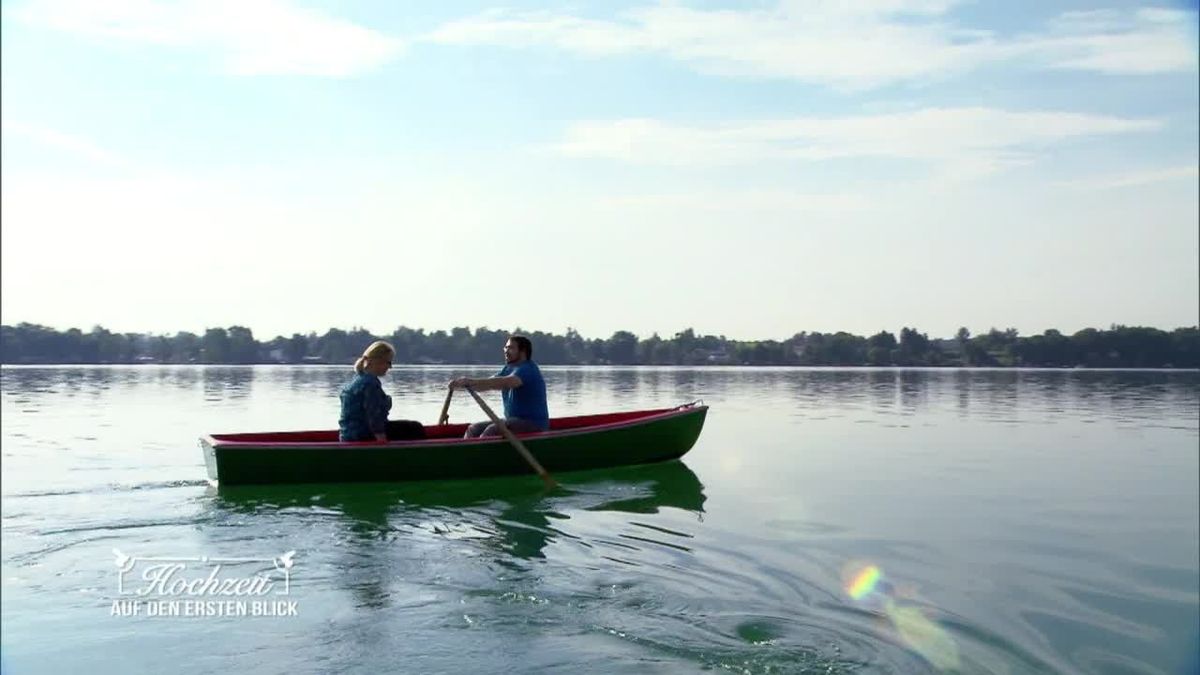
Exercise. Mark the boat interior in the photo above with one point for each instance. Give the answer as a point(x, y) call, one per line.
point(442, 431)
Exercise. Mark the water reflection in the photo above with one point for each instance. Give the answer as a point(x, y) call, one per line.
point(232, 382)
point(96, 381)
point(914, 386)
point(883, 388)
point(510, 520)
point(1004, 395)
point(372, 510)
point(962, 391)
point(1069, 547)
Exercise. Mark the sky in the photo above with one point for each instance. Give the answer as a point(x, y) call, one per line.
point(751, 169)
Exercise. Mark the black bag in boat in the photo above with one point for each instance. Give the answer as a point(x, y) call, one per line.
point(405, 430)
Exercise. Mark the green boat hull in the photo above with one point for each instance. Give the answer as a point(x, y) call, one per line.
point(653, 439)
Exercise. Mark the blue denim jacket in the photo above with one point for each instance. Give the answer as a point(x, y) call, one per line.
point(364, 409)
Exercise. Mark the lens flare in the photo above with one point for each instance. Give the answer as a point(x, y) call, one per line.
point(924, 636)
point(864, 582)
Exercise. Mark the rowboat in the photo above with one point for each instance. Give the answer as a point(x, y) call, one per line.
point(571, 444)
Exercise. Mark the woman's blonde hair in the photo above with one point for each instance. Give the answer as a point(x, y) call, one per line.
point(377, 349)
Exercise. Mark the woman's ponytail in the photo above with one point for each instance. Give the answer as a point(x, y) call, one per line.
point(375, 350)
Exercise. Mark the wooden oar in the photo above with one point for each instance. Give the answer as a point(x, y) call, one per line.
point(516, 442)
point(444, 418)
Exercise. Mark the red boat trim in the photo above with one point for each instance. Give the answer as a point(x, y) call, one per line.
point(433, 442)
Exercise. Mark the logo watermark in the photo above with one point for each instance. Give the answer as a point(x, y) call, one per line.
point(204, 586)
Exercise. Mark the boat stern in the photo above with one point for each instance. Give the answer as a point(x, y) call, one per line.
point(210, 458)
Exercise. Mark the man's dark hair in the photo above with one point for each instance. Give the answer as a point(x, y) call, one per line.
point(523, 345)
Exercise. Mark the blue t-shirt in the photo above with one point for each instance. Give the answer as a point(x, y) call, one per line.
point(527, 401)
point(364, 409)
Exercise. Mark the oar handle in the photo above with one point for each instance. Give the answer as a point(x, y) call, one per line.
point(516, 442)
point(445, 416)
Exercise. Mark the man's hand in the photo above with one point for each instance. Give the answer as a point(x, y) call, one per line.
point(461, 383)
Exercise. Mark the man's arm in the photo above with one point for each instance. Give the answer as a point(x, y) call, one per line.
point(486, 383)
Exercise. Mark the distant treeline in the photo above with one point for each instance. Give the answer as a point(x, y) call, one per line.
point(1118, 347)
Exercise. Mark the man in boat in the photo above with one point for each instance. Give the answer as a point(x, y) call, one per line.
point(522, 389)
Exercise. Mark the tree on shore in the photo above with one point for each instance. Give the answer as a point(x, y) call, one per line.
point(1119, 346)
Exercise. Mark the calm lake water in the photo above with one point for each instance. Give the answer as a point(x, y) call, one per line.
point(827, 521)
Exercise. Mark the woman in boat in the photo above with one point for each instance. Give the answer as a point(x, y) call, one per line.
point(364, 405)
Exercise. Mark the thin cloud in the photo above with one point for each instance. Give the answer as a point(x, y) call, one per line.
point(1135, 178)
point(75, 145)
point(1118, 43)
point(252, 37)
point(974, 141)
point(741, 201)
point(862, 46)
